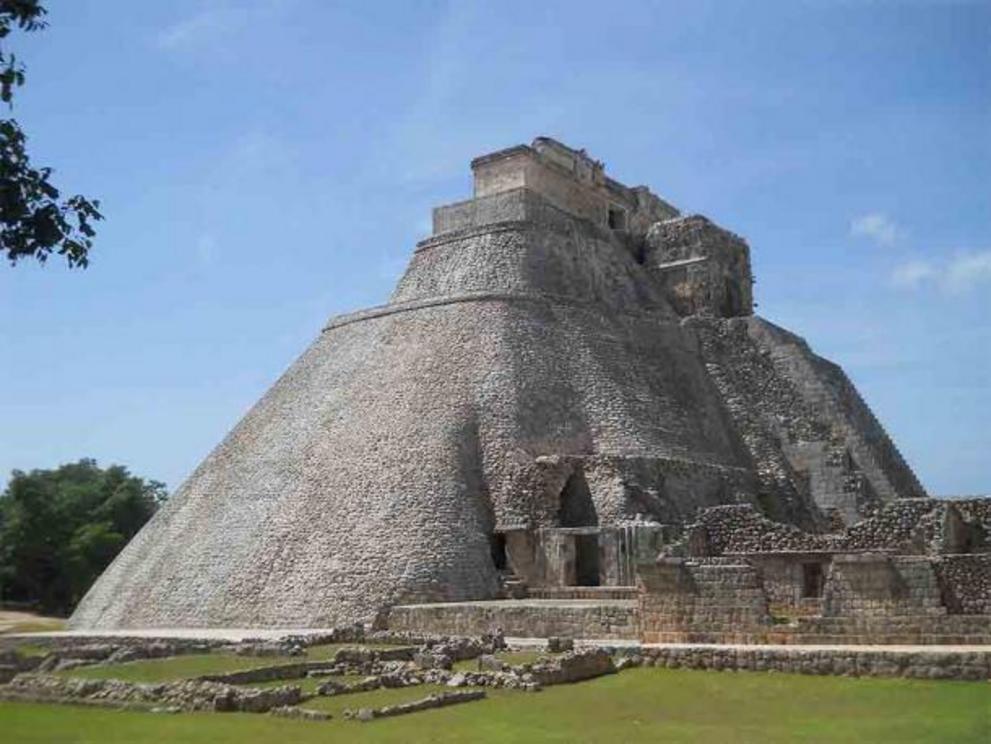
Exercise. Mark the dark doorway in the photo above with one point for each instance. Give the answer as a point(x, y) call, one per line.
point(617, 218)
point(587, 560)
point(497, 544)
point(577, 508)
point(812, 580)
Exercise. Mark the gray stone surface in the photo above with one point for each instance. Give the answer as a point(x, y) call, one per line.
point(545, 618)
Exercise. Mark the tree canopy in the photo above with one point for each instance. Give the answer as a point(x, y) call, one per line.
point(60, 528)
point(34, 218)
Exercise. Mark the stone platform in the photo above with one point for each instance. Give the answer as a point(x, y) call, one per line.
point(600, 619)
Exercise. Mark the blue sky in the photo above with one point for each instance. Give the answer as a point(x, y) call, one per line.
point(264, 164)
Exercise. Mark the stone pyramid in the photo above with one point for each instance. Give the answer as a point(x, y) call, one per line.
point(566, 356)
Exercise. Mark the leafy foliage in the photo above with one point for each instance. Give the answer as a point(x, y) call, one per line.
point(34, 220)
point(60, 528)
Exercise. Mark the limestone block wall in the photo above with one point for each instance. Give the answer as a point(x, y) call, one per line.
point(721, 285)
point(572, 181)
point(784, 580)
point(679, 597)
point(739, 528)
point(975, 665)
point(613, 619)
point(516, 205)
point(922, 526)
point(522, 167)
point(975, 509)
point(877, 585)
point(966, 582)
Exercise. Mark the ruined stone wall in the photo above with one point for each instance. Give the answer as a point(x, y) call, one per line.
point(868, 599)
point(501, 171)
point(846, 662)
point(966, 583)
point(976, 509)
point(733, 529)
point(908, 526)
point(571, 181)
point(713, 596)
point(783, 578)
point(615, 619)
point(721, 285)
point(622, 489)
point(523, 167)
point(875, 585)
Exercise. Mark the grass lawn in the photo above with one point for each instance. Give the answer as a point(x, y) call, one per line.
point(174, 667)
point(31, 649)
point(337, 704)
point(195, 665)
point(646, 705)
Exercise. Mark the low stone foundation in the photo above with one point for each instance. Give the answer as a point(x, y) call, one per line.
point(591, 619)
point(845, 661)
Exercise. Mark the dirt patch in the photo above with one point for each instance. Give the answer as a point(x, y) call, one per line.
point(28, 622)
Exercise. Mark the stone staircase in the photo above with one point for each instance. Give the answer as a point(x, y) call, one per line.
point(513, 586)
point(829, 391)
point(582, 592)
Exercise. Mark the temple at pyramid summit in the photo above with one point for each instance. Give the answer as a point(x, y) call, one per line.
point(566, 420)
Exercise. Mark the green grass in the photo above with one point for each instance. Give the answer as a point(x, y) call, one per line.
point(195, 665)
point(174, 667)
point(337, 704)
point(32, 649)
point(646, 705)
point(327, 650)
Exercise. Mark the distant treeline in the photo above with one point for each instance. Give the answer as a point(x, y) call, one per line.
point(60, 528)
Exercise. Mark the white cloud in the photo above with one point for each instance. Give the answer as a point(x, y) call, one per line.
point(206, 26)
point(218, 23)
point(967, 270)
point(912, 273)
point(956, 275)
point(877, 227)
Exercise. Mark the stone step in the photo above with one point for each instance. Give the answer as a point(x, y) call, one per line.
point(582, 592)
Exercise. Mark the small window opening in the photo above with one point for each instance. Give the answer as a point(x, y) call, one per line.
point(497, 545)
point(617, 218)
point(812, 580)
